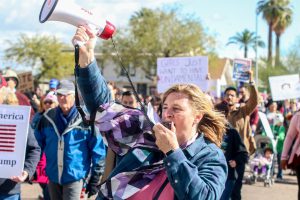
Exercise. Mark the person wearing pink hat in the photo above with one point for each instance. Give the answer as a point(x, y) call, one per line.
point(47, 102)
point(50, 101)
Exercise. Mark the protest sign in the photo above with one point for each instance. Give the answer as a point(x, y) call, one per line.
point(267, 128)
point(285, 87)
point(240, 70)
point(177, 70)
point(25, 82)
point(14, 124)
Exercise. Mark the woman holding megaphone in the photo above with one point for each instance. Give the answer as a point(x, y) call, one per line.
point(183, 161)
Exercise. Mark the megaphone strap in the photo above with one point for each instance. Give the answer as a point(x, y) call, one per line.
point(91, 121)
point(143, 108)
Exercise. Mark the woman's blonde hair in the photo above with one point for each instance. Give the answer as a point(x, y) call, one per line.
point(213, 123)
point(11, 99)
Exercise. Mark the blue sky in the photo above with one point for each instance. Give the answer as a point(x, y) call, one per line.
point(221, 18)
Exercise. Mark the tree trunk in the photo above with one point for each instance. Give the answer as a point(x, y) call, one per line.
point(277, 58)
point(246, 52)
point(270, 43)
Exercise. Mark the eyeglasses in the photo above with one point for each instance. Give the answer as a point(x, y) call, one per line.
point(48, 102)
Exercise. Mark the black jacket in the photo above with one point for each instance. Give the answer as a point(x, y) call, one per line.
point(234, 149)
point(32, 157)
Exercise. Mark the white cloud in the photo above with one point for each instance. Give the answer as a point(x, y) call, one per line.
point(217, 16)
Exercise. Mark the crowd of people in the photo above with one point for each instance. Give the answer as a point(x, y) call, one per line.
point(195, 146)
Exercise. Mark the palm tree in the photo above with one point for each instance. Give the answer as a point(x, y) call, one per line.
point(246, 39)
point(284, 22)
point(271, 10)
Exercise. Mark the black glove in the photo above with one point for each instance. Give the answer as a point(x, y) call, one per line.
point(92, 186)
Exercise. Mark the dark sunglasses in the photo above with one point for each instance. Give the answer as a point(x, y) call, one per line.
point(48, 102)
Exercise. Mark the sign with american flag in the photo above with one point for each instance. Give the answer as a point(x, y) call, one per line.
point(14, 125)
point(7, 137)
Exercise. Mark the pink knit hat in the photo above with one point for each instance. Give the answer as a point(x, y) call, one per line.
point(51, 97)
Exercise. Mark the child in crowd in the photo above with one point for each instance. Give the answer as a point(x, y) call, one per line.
point(279, 131)
point(261, 163)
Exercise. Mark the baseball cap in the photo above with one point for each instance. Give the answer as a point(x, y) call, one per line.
point(65, 87)
point(53, 83)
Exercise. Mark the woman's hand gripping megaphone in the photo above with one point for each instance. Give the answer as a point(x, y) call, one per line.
point(86, 39)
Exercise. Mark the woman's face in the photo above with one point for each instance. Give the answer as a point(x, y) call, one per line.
point(273, 107)
point(47, 104)
point(177, 109)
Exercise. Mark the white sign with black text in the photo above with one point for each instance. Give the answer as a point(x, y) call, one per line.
point(177, 70)
point(14, 125)
point(285, 87)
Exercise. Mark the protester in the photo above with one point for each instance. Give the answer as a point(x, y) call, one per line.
point(53, 83)
point(291, 149)
point(239, 118)
point(113, 89)
point(288, 110)
point(34, 103)
point(262, 163)
point(3, 82)
point(156, 104)
point(193, 167)
point(128, 99)
point(3, 89)
point(254, 117)
point(10, 98)
point(234, 150)
point(70, 147)
point(272, 111)
point(278, 131)
point(12, 80)
point(46, 103)
point(10, 189)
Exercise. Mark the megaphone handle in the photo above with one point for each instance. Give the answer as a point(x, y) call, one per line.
point(79, 43)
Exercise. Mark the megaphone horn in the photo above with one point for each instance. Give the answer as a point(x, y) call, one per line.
point(65, 11)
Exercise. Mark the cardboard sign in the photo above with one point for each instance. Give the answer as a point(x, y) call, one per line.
point(177, 70)
point(14, 124)
point(285, 87)
point(26, 82)
point(240, 70)
point(267, 128)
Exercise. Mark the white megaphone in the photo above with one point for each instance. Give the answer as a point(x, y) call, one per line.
point(65, 11)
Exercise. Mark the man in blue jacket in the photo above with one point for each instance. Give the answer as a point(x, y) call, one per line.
point(72, 150)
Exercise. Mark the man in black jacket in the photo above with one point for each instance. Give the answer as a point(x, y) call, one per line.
point(11, 188)
point(235, 153)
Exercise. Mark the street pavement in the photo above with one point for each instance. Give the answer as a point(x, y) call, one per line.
point(286, 190)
